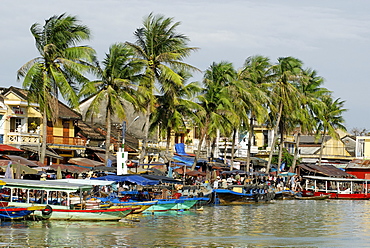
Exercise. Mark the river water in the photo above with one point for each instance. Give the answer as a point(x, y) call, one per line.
point(286, 223)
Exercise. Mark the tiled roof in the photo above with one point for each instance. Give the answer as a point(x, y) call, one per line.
point(89, 132)
point(310, 139)
point(359, 164)
point(65, 112)
point(325, 170)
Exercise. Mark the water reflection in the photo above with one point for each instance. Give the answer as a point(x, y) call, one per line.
point(278, 224)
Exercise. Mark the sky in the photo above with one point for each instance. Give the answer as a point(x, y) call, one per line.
point(329, 36)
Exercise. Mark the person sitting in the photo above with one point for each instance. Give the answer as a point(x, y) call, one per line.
point(231, 180)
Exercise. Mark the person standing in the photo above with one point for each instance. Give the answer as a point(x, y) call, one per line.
point(216, 182)
point(293, 183)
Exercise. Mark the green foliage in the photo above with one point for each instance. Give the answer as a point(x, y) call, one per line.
point(287, 158)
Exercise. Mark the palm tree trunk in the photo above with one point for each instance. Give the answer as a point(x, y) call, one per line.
point(107, 139)
point(208, 147)
point(202, 136)
point(44, 137)
point(322, 146)
point(250, 137)
point(168, 140)
point(298, 138)
point(275, 138)
point(233, 150)
point(281, 146)
point(225, 150)
point(213, 149)
point(146, 135)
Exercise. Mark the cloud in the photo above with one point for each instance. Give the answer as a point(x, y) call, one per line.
point(331, 36)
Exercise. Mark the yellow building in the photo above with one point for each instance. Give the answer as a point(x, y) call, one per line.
point(22, 125)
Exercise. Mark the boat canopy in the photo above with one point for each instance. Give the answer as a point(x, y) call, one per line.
point(139, 180)
point(86, 181)
point(49, 185)
point(337, 179)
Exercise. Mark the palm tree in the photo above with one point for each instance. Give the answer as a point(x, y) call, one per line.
point(256, 74)
point(215, 102)
point(311, 91)
point(330, 119)
point(284, 96)
point(174, 107)
point(59, 68)
point(161, 49)
point(114, 86)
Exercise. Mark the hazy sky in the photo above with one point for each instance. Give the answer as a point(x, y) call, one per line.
point(330, 36)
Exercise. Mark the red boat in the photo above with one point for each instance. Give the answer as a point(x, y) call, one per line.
point(337, 188)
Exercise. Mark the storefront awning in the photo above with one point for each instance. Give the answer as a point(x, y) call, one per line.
point(48, 153)
point(7, 148)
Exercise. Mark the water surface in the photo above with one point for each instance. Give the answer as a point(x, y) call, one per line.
point(293, 223)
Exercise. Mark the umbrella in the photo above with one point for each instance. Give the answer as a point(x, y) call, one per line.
point(9, 171)
point(59, 173)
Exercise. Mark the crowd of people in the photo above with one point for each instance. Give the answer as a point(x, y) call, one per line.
point(294, 182)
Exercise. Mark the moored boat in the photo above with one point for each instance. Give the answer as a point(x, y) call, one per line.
point(319, 197)
point(91, 214)
point(139, 206)
point(21, 213)
point(162, 205)
point(57, 195)
point(238, 196)
point(337, 188)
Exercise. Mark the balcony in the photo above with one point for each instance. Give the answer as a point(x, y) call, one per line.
point(71, 141)
point(17, 138)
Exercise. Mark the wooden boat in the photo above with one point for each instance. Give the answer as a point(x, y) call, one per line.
point(162, 205)
point(285, 195)
point(337, 188)
point(185, 203)
point(233, 197)
point(91, 214)
point(139, 206)
point(57, 195)
point(21, 213)
point(319, 197)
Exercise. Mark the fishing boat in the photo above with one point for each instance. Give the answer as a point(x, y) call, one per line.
point(285, 195)
point(66, 200)
point(162, 205)
point(337, 188)
point(162, 198)
point(240, 195)
point(139, 206)
point(319, 197)
point(21, 213)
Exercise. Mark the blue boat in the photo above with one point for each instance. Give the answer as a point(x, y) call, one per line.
point(19, 213)
point(240, 196)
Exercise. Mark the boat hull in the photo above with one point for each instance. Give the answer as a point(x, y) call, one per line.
point(161, 206)
point(308, 193)
point(320, 197)
point(59, 212)
point(230, 197)
point(184, 204)
point(16, 213)
point(91, 214)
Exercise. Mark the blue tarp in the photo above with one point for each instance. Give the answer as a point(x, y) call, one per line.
point(180, 149)
point(188, 161)
point(129, 178)
point(162, 179)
